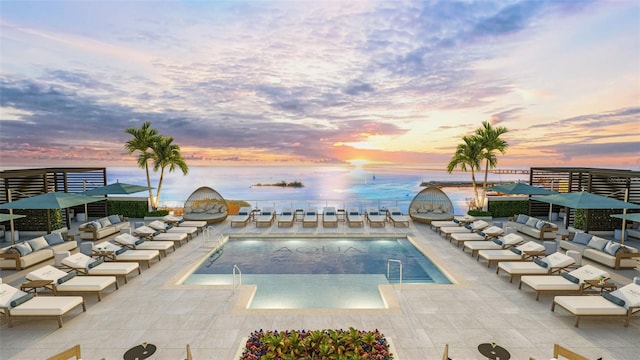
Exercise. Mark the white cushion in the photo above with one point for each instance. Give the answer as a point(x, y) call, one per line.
point(558, 259)
point(588, 272)
point(46, 272)
point(38, 243)
point(8, 293)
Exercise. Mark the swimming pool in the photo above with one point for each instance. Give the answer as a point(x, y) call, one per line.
point(301, 273)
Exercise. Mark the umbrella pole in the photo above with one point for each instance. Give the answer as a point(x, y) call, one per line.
point(86, 207)
point(624, 221)
point(11, 226)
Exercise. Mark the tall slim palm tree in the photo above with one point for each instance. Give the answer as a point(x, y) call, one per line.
point(142, 141)
point(166, 154)
point(468, 154)
point(489, 138)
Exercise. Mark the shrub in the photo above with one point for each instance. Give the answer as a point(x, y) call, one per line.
point(317, 344)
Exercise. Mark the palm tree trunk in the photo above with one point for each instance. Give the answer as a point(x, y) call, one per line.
point(484, 187)
point(473, 183)
point(157, 199)
point(146, 167)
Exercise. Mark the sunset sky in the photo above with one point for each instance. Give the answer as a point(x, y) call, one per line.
point(383, 82)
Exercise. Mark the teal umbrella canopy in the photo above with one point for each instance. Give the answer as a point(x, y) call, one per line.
point(116, 188)
point(585, 200)
point(50, 200)
point(7, 217)
point(520, 189)
point(635, 217)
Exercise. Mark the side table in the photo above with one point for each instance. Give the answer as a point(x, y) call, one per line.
point(33, 286)
point(606, 285)
point(493, 351)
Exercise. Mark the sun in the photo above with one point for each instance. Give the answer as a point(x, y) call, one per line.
point(358, 162)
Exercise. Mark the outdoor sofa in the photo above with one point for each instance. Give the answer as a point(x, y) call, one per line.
point(603, 251)
point(101, 228)
point(534, 227)
point(34, 251)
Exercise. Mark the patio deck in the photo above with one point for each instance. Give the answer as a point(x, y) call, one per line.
point(480, 307)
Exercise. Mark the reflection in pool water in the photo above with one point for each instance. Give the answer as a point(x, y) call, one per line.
point(338, 273)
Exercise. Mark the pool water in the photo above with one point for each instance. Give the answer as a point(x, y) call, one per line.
point(302, 273)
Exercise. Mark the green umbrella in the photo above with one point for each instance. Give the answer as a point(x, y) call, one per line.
point(7, 217)
point(635, 217)
point(116, 188)
point(521, 189)
point(50, 200)
point(586, 200)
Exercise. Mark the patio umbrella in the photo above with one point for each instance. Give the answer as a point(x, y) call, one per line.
point(50, 200)
point(585, 200)
point(7, 217)
point(116, 188)
point(520, 189)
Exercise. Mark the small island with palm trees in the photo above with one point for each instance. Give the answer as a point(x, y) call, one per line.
point(295, 184)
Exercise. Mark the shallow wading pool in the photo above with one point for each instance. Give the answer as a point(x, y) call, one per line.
point(322, 273)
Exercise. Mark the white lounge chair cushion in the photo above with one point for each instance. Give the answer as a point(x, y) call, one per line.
point(630, 294)
point(127, 239)
point(183, 230)
point(589, 305)
point(470, 237)
point(145, 230)
point(588, 272)
point(46, 272)
point(551, 282)
point(170, 237)
point(522, 267)
point(8, 293)
point(82, 261)
point(87, 283)
point(506, 255)
point(558, 260)
point(493, 230)
point(158, 225)
point(47, 306)
point(511, 239)
point(132, 255)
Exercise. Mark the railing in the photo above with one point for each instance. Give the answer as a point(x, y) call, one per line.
point(208, 233)
point(389, 261)
point(235, 267)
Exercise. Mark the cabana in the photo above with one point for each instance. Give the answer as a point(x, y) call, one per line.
point(205, 204)
point(431, 204)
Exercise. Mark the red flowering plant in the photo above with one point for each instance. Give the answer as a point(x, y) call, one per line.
point(340, 344)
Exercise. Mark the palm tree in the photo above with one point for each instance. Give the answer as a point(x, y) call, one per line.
point(142, 141)
point(468, 154)
point(166, 154)
point(489, 138)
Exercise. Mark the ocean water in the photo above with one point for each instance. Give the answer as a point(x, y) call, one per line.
point(323, 185)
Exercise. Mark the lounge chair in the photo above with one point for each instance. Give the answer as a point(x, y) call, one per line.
point(243, 217)
point(502, 242)
point(354, 218)
point(17, 303)
point(135, 243)
point(88, 266)
point(436, 225)
point(71, 353)
point(162, 226)
point(287, 217)
point(329, 217)
point(473, 227)
point(482, 235)
point(178, 221)
point(397, 217)
point(550, 264)
point(155, 235)
point(517, 253)
point(374, 217)
point(266, 217)
point(112, 252)
point(310, 218)
point(622, 302)
point(573, 281)
point(62, 282)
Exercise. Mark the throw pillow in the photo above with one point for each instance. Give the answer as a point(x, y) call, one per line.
point(522, 219)
point(498, 241)
point(38, 243)
point(67, 277)
point(540, 224)
point(597, 243)
point(571, 278)
point(54, 238)
point(114, 219)
point(104, 222)
point(614, 299)
point(532, 222)
point(21, 300)
point(582, 238)
point(612, 248)
point(97, 262)
point(23, 248)
point(541, 263)
point(139, 241)
point(516, 251)
point(120, 251)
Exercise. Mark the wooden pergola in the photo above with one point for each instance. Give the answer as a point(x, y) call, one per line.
point(614, 183)
point(25, 183)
